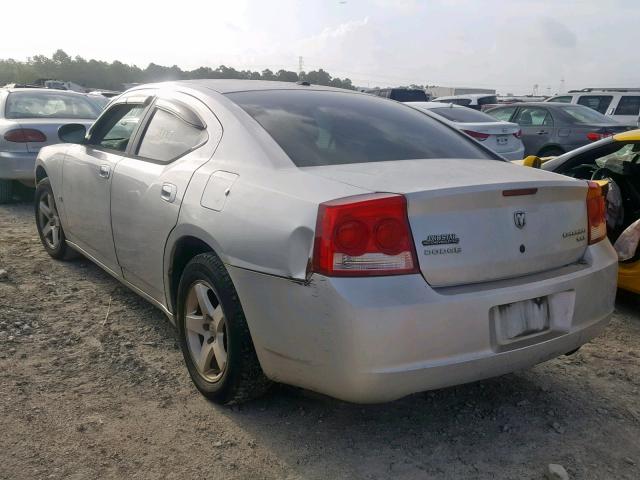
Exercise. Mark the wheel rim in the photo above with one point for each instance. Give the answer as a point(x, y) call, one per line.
point(206, 331)
point(49, 221)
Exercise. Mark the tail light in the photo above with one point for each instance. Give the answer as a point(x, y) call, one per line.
point(25, 135)
point(481, 137)
point(518, 134)
point(595, 136)
point(596, 213)
point(364, 235)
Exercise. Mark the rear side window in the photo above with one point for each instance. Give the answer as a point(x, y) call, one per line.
point(502, 114)
point(458, 101)
point(599, 103)
point(629, 105)
point(168, 137)
point(49, 105)
point(583, 115)
point(331, 128)
point(463, 115)
point(563, 99)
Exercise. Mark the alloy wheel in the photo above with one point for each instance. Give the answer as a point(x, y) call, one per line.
point(49, 221)
point(205, 329)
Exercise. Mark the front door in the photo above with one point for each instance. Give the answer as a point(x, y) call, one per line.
point(178, 137)
point(87, 177)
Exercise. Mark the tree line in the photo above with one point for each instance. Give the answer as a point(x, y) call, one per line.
point(97, 74)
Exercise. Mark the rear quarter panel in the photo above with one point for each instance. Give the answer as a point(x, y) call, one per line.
point(51, 159)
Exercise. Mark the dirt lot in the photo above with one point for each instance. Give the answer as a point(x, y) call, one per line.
point(82, 398)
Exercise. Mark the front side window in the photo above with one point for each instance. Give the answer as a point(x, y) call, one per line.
point(562, 99)
point(330, 128)
point(533, 117)
point(168, 137)
point(599, 103)
point(49, 105)
point(628, 105)
point(114, 130)
point(502, 114)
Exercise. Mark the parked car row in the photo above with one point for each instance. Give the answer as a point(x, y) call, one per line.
point(328, 239)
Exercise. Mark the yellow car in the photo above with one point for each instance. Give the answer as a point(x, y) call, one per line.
point(615, 159)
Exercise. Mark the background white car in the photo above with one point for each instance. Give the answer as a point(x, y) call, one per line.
point(501, 137)
point(620, 104)
point(471, 100)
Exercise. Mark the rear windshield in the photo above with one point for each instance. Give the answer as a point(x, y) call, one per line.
point(584, 115)
point(408, 95)
point(331, 128)
point(49, 105)
point(487, 100)
point(463, 115)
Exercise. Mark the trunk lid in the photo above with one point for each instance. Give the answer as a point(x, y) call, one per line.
point(468, 225)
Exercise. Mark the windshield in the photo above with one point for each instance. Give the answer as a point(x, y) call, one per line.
point(463, 115)
point(584, 115)
point(331, 128)
point(49, 105)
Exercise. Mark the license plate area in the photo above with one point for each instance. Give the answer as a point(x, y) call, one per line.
point(502, 139)
point(533, 320)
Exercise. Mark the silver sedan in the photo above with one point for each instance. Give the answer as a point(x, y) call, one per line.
point(327, 239)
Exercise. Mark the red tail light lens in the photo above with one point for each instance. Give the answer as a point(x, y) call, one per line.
point(595, 136)
point(364, 235)
point(596, 212)
point(481, 137)
point(24, 135)
point(518, 134)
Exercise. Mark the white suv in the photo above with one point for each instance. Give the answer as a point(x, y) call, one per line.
point(621, 104)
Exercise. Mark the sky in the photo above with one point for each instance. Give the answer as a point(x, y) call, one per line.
point(506, 45)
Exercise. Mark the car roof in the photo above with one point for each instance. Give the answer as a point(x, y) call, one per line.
point(40, 90)
point(467, 95)
point(231, 85)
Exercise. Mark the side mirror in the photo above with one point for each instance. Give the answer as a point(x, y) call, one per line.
point(532, 161)
point(72, 133)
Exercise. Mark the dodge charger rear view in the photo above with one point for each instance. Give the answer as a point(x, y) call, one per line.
point(327, 239)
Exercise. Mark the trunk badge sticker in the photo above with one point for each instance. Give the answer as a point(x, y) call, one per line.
point(441, 239)
point(520, 219)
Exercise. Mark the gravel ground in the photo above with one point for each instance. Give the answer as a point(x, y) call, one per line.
point(85, 395)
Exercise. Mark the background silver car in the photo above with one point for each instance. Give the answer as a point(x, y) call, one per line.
point(550, 129)
point(327, 239)
point(29, 120)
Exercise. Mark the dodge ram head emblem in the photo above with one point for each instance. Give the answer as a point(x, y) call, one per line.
point(519, 219)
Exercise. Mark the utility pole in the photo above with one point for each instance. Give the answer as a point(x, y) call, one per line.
point(562, 85)
point(300, 65)
point(534, 93)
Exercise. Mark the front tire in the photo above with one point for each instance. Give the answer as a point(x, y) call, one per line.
point(214, 335)
point(48, 221)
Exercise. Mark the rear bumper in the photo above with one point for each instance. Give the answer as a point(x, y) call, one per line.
point(380, 338)
point(629, 277)
point(17, 165)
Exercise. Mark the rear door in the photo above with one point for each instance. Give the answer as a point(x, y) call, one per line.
point(537, 128)
point(87, 176)
point(179, 135)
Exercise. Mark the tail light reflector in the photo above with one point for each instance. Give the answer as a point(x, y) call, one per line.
point(364, 235)
point(481, 137)
point(25, 135)
point(596, 211)
point(518, 134)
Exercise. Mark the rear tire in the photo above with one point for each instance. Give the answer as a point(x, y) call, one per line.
point(48, 221)
point(6, 191)
point(214, 335)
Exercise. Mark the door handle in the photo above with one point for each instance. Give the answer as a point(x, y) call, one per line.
point(104, 171)
point(168, 192)
point(542, 132)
